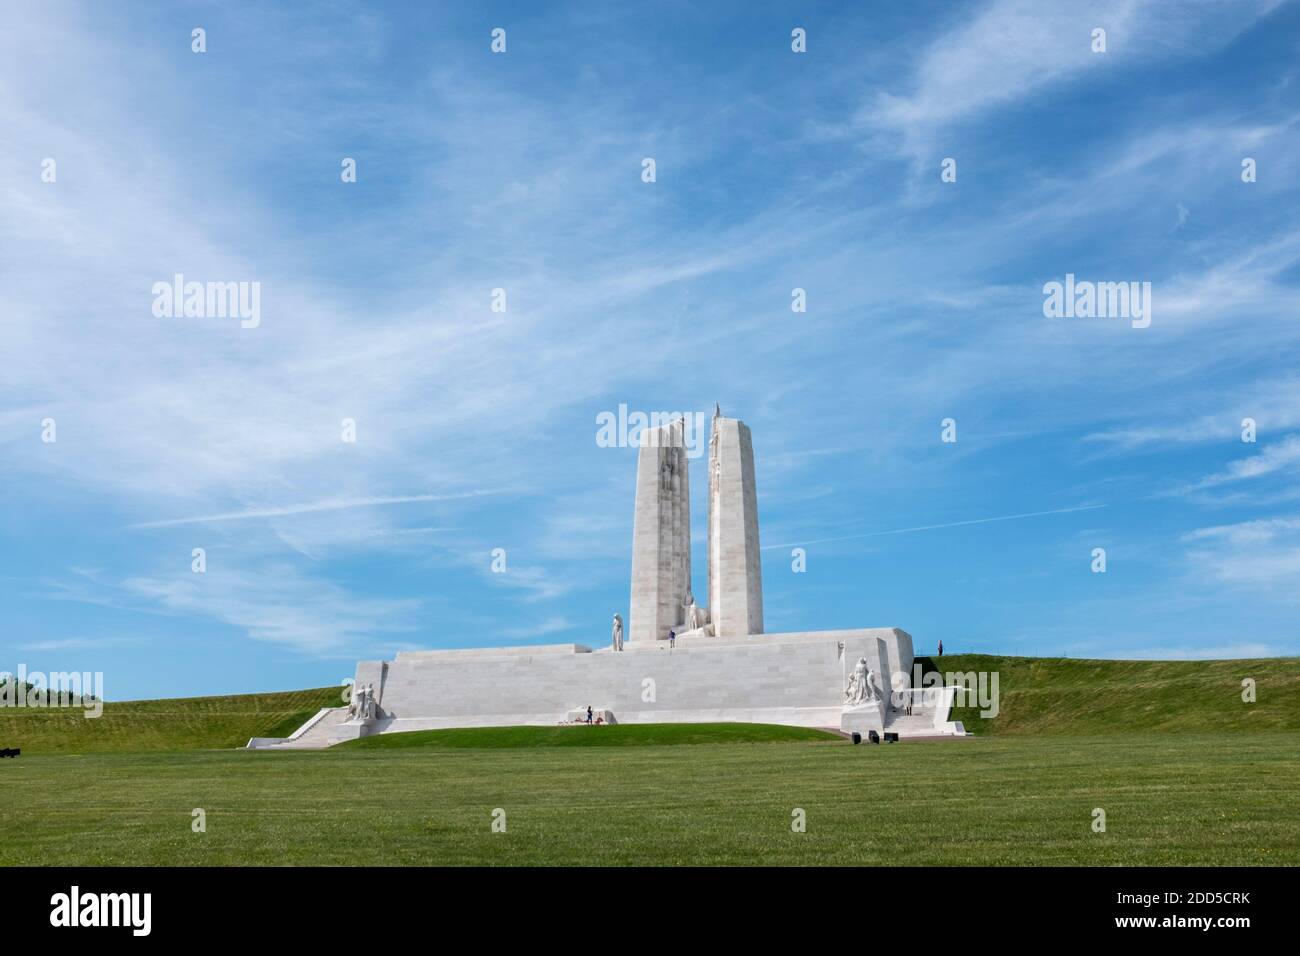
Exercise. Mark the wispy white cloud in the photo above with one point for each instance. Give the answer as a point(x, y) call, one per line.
point(79, 643)
point(935, 527)
point(1011, 50)
point(273, 601)
point(543, 628)
point(281, 605)
point(336, 504)
point(1008, 50)
point(1246, 532)
point(1271, 402)
point(402, 532)
point(1263, 553)
point(1271, 458)
point(537, 583)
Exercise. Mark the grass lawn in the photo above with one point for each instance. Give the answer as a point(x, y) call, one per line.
point(1053, 695)
point(187, 723)
point(625, 735)
point(1186, 771)
point(1169, 799)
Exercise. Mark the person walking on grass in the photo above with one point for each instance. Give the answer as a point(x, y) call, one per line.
point(589, 713)
point(941, 648)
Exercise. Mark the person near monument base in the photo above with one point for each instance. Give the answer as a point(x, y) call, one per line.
point(672, 638)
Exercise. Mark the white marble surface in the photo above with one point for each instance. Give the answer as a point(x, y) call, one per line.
point(728, 671)
point(661, 535)
point(735, 566)
point(795, 678)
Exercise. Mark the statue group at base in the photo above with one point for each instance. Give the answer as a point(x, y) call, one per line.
point(861, 688)
point(363, 703)
point(695, 619)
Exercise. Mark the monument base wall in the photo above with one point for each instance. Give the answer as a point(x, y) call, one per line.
point(795, 679)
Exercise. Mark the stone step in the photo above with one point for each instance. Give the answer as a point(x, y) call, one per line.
point(317, 736)
point(913, 726)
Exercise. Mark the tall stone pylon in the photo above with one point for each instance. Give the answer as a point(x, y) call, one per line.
point(661, 534)
point(735, 568)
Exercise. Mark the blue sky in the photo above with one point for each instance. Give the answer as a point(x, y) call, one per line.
point(477, 429)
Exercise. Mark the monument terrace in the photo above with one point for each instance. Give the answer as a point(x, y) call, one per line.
point(676, 660)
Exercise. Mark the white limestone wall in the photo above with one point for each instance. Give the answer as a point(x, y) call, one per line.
point(661, 534)
point(735, 566)
point(796, 679)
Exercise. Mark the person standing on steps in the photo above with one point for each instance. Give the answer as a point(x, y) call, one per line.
point(672, 639)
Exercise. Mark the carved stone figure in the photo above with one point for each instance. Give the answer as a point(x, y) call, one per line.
point(693, 616)
point(861, 687)
point(617, 634)
point(363, 703)
point(668, 474)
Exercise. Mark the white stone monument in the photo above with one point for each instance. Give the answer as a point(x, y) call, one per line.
point(724, 667)
point(735, 569)
point(661, 535)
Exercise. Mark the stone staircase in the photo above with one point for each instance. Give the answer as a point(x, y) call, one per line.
point(315, 734)
point(921, 721)
point(913, 726)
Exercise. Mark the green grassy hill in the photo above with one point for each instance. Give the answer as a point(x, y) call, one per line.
point(187, 723)
point(1037, 696)
point(1059, 696)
